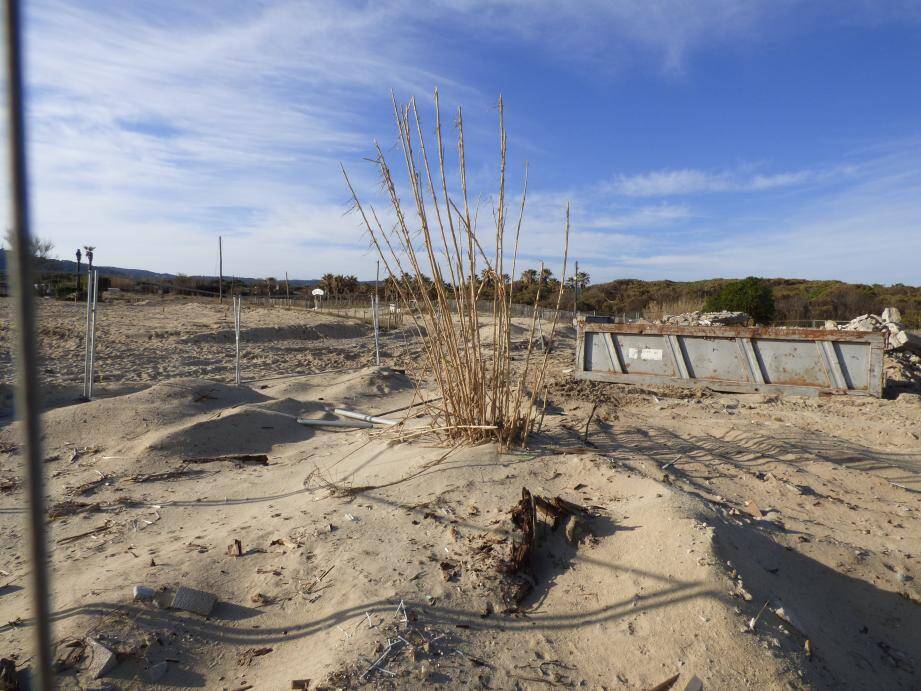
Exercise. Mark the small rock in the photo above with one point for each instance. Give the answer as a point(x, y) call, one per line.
point(143, 593)
point(102, 660)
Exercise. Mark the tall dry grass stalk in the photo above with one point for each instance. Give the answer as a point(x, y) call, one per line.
point(486, 393)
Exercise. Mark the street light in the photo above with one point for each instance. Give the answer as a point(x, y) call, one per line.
point(79, 256)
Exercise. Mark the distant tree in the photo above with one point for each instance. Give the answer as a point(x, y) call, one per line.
point(581, 279)
point(546, 275)
point(752, 295)
point(40, 250)
point(329, 283)
point(529, 276)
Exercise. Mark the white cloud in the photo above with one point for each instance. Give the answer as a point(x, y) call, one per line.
point(690, 181)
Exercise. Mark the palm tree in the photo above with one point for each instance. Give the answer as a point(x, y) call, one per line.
point(529, 276)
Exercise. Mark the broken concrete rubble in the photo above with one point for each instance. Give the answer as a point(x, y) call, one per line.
point(890, 324)
point(698, 318)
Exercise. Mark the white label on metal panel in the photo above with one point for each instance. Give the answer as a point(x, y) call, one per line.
point(644, 354)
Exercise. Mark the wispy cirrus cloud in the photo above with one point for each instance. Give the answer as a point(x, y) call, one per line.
point(691, 181)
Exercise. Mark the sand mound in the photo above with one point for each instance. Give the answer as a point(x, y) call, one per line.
point(339, 387)
point(251, 428)
point(110, 421)
point(268, 334)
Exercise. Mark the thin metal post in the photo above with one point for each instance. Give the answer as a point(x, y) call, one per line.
point(27, 389)
point(377, 331)
point(86, 339)
point(237, 301)
point(93, 334)
point(220, 270)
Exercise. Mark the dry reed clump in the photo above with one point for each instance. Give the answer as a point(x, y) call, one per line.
point(485, 394)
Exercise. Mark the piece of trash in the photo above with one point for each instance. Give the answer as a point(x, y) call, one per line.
point(807, 646)
point(754, 619)
point(695, 684)
point(235, 549)
point(261, 599)
point(192, 600)
point(143, 593)
point(351, 518)
point(102, 660)
point(300, 684)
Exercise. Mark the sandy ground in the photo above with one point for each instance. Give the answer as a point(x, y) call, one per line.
point(708, 512)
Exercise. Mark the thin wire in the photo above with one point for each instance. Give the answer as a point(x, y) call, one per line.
point(27, 390)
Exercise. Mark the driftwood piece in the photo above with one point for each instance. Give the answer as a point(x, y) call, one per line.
point(523, 520)
point(70, 507)
point(238, 458)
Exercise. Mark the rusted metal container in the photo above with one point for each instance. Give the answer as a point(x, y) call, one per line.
point(731, 358)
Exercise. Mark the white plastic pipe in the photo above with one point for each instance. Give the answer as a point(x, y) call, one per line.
point(361, 416)
point(335, 423)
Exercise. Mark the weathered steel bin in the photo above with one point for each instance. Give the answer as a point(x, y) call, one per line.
point(731, 358)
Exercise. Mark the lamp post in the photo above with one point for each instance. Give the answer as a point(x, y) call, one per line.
point(79, 256)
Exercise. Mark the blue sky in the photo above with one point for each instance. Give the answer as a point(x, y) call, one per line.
point(693, 139)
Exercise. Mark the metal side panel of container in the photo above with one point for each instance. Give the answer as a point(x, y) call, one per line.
point(739, 359)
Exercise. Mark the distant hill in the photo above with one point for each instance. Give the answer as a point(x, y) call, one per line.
point(68, 266)
point(796, 299)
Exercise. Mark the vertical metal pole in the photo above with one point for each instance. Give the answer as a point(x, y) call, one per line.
point(377, 332)
point(236, 314)
point(86, 340)
point(93, 333)
point(575, 292)
point(287, 291)
point(27, 389)
point(220, 270)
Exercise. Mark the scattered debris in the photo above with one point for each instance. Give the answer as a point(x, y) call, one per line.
point(247, 656)
point(88, 488)
point(8, 484)
point(890, 324)
point(167, 475)
point(235, 549)
point(70, 507)
point(698, 318)
point(192, 600)
point(300, 684)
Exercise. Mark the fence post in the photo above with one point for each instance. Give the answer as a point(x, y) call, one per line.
point(237, 302)
point(93, 333)
point(377, 338)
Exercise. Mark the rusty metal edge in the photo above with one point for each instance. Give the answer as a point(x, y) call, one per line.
point(772, 332)
point(715, 385)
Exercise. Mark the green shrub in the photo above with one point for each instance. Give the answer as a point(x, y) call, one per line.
point(751, 295)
